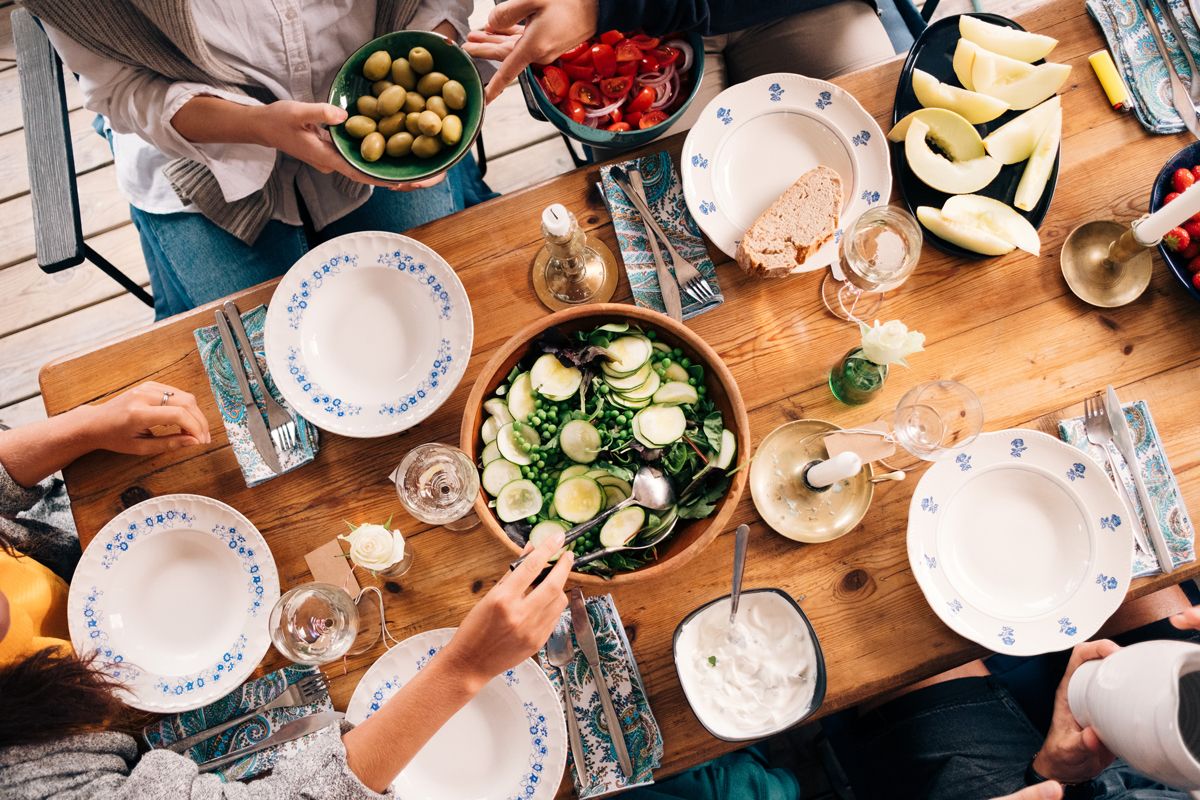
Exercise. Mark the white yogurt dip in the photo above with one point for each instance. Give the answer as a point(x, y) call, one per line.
point(752, 682)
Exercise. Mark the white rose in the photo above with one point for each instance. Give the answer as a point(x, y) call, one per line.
point(374, 546)
point(890, 343)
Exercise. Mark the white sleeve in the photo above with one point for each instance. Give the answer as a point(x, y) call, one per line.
point(142, 102)
point(432, 13)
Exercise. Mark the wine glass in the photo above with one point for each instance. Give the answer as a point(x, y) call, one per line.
point(438, 485)
point(314, 623)
point(934, 420)
point(879, 250)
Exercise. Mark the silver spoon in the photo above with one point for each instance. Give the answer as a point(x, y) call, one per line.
point(608, 551)
point(651, 490)
point(741, 538)
point(560, 654)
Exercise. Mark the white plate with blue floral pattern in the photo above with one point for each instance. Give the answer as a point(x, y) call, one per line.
point(367, 334)
point(1020, 543)
point(173, 595)
point(508, 743)
point(755, 139)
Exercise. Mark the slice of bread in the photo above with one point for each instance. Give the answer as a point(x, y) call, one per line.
point(794, 227)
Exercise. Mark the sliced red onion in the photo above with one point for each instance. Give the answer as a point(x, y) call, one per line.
point(651, 78)
point(685, 49)
point(665, 93)
point(604, 111)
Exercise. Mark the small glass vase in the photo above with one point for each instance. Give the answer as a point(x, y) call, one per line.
point(855, 380)
point(399, 568)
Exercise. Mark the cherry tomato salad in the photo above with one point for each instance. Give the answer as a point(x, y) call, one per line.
point(619, 82)
point(573, 422)
point(1185, 240)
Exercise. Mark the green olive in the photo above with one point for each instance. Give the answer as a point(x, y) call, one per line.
point(372, 146)
point(431, 84)
point(420, 60)
point(390, 126)
point(400, 144)
point(402, 73)
point(379, 87)
point(377, 65)
point(437, 105)
point(368, 106)
point(391, 100)
point(359, 126)
point(413, 102)
point(426, 146)
point(429, 123)
point(411, 121)
point(452, 128)
point(454, 94)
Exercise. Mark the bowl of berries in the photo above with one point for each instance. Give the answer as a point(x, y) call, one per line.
point(1180, 248)
point(617, 90)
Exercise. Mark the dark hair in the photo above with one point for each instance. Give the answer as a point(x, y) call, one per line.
point(53, 694)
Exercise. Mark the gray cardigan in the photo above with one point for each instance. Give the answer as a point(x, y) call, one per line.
point(37, 522)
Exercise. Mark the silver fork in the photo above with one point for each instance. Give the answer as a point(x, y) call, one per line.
point(282, 425)
point(1100, 433)
point(688, 276)
point(304, 691)
point(1177, 33)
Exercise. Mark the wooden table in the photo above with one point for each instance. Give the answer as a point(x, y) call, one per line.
point(1008, 327)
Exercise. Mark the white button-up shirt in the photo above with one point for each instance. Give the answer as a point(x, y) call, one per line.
point(291, 48)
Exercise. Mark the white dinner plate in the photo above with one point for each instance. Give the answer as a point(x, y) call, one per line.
point(508, 743)
point(367, 334)
point(754, 140)
point(1020, 543)
point(173, 595)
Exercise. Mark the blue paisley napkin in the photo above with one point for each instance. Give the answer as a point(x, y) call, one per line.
point(1164, 492)
point(248, 696)
point(233, 411)
point(1133, 49)
point(629, 698)
point(664, 194)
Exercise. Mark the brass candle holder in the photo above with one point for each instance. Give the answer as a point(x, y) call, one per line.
point(1105, 263)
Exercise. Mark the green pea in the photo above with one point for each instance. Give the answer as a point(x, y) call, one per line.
point(431, 84)
point(400, 144)
point(377, 65)
point(426, 147)
point(677, 352)
point(359, 126)
point(420, 59)
point(552, 428)
point(429, 123)
point(413, 102)
point(537, 403)
point(379, 87)
point(651, 335)
point(603, 388)
point(685, 363)
point(390, 126)
point(531, 520)
point(391, 100)
point(541, 464)
point(410, 123)
point(701, 390)
point(621, 420)
point(372, 146)
point(368, 106)
point(402, 73)
point(692, 382)
point(452, 129)
point(454, 94)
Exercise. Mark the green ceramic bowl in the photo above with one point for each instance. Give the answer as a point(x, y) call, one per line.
point(448, 58)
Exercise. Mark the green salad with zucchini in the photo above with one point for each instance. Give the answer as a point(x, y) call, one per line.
point(574, 420)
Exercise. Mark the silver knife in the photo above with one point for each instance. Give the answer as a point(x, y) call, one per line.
point(1177, 32)
point(254, 417)
point(666, 281)
point(289, 732)
point(1123, 438)
point(586, 638)
point(1180, 97)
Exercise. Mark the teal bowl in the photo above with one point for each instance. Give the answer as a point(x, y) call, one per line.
point(448, 58)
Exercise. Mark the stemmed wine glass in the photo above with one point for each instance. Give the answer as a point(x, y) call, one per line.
point(879, 250)
point(937, 419)
point(438, 485)
point(318, 623)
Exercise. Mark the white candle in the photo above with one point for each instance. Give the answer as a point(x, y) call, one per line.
point(1150, 231)
point(838, 468)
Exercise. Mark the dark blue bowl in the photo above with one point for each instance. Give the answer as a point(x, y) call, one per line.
point(1187, 157)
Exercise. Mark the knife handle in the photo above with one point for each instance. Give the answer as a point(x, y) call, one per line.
point(235, 360)
point(615, 731)
point(1161, 550)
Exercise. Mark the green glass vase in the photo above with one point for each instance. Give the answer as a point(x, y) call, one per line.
point(854, 380)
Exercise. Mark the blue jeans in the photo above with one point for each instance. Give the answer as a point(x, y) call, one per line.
point(191, 261)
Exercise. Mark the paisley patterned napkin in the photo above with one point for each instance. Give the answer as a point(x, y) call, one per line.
point(1160, 484)
point(629, 698)
point(233, 411)
point(1143, 70)
point(249, 695)
point(664, 194)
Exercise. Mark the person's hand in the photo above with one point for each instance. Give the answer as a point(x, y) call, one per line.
point(1188, 620)
point(123, 424)
point(512, 621)
point(1050, 790)
point(551, 28)
point(1072, 754)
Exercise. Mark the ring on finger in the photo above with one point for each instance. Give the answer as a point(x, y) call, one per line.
point(165, 397)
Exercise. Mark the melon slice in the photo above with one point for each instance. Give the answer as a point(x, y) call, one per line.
point(1021, 45)
point(1021, 90)
point(964, 60)
point(952, 175)
point(1037, 171)
point(953, 134)
point(974, 107)
point(1014, 140)
point(994, 217)
point(972, 238)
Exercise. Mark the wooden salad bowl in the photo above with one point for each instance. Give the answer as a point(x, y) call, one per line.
point(690, 536)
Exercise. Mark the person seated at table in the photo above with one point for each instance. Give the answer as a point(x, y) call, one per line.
point(63, 733)
point(38, 545)
point(817, 38)
point(218, 130)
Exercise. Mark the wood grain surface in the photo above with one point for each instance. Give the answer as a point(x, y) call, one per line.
point(1007, 327)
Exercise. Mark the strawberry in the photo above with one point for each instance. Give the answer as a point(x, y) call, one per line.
point(1194, 265)
point(1182, 179)
point(1193, 229)
point(1170, 196)
point(1196, 280)
point(1177, 239)
point(1196, 171)
point(1191, 251)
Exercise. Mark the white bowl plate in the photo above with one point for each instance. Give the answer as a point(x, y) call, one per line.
point(509, 743)
point(1020, 543)
point(368, 334)
point(174, 596)
point(754, 140)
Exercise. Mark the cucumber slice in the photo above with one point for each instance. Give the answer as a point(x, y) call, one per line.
point(518, 500)
point(490, 453)
point(615, 327)
point(551, 379)
point(662, 347)
point(498, 409)
point(544, 529)
point(676, 393)
point(636, 427)
point(578, 499)
point(580, 441)
point(596, 474)
point(629, 353)
point(491, 426)
point(622, 526)
point(520, 397)
point(659, 425)
point(645, 392)
point(629, 382)
point(623, 402)
point(675, 372)
point(516, 440)
point(499, 474)
point(612, 496)
point(728, 450)
point(573, 471)
point(612, 480)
